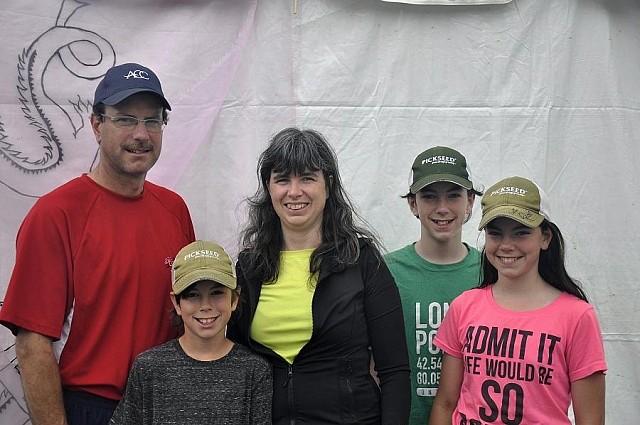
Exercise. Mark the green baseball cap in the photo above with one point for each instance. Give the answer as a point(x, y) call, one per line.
point(439, 164)
point(201, 260)
point(516, 198)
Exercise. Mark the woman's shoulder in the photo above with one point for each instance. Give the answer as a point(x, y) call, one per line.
point(243, 254)
point(368, 248)
point(244, 262)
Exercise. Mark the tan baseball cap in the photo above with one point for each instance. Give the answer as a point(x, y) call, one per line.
point(202, 260)
point(516, 198)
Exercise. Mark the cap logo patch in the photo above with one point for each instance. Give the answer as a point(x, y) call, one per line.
point(525, 215)
point(509, 190)
point(138, 73)
point(440, 159)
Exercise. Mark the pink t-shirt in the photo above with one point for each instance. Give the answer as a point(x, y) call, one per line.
point(518, 365)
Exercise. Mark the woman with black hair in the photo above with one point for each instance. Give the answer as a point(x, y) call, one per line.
point(318, 300)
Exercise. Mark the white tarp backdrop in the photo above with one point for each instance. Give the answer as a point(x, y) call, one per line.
point(544, 89)
point(450, 2)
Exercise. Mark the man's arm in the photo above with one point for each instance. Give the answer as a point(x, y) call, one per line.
point(40, 378)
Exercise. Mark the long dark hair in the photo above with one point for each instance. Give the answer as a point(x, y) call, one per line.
point(550, 266)
point(294, 151)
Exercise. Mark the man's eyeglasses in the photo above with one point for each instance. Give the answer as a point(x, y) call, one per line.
point(129, 123)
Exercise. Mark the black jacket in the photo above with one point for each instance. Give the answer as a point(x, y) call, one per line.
point(356, 312)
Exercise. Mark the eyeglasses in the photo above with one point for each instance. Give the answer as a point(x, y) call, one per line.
point(129, 123)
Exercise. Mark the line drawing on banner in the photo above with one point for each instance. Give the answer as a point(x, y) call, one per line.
point(13, 409)
point(64, 44)
point(60, 47)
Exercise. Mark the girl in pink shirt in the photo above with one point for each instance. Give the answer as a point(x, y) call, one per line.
point(526, 344)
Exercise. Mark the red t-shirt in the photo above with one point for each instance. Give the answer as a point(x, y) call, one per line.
point(93, 272)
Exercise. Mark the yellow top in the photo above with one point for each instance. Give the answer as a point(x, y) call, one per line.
point(283, 319)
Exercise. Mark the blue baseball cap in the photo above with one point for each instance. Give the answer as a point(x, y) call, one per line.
point(122, 81)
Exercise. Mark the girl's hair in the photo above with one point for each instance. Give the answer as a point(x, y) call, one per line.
point(550, 266)
point(294, 151)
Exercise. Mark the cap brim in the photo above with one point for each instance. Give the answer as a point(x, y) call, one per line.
point(120, 96)
point(204, 274)
point(425, 181)
point(522, 215)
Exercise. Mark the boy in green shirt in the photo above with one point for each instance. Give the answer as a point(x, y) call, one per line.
point(431, 272)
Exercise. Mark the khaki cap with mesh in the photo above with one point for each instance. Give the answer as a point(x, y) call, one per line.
point(201, 260)
point(516, 198)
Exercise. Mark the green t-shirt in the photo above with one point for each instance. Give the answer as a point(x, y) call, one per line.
point(426, 290)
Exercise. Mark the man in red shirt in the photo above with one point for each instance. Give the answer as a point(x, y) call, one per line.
point(93, 262)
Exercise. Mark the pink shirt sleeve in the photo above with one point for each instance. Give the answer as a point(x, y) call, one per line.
point(585, 352)
point(447, 338)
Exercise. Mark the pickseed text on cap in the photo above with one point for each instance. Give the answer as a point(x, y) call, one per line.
point(439, 163)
